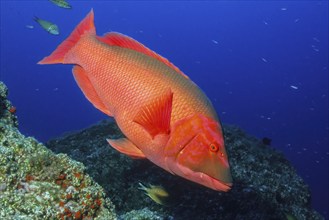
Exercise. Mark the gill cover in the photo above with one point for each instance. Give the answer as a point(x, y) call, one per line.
point(196, 152)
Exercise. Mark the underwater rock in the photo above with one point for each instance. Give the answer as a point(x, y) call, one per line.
point(266, 186)
point(35, 183)
point(142, 214)
point(7, 110)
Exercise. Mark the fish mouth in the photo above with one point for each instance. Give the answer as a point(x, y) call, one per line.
point(205, 179)
point(216, 184)
point(200, 177)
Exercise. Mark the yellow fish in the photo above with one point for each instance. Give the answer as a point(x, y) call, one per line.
point(157, 193)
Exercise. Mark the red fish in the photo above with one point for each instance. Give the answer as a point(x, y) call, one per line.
point(165, 117)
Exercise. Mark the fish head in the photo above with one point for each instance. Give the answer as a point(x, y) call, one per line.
point(53, 29)
point(196, 151)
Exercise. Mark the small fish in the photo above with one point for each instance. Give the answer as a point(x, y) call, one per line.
point(48, 26)
point(164, 115)
point(293, 87)
point(264, 60)
point(215, 41)
point(29, 26)
point(315, 49)
point(267, 141)
point(61, 3)
point(316, 39)
point(157, 193)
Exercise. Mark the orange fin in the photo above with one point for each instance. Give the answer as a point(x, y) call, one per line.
point(58, 55)
point(125, 146)
point(155, 117)
point(88, 89)
point(120, 40)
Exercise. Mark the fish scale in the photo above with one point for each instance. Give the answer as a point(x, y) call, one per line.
point(131, 74)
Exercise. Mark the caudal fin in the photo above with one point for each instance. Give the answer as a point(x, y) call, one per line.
point(58, 55)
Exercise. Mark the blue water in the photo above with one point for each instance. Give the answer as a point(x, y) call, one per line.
point(263, 64)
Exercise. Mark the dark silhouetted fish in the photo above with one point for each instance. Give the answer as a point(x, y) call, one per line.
point(267, 141)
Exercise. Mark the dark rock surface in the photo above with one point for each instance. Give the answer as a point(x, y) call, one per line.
point(265, 186)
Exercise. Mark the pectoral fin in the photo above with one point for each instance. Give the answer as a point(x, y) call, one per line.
point(125, 146)
point(155, 117)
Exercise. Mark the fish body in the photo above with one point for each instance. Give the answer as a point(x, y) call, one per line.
point(165, 117)
point(48, 26)
point(29, 26)
point(61, 3)
point(157, 193)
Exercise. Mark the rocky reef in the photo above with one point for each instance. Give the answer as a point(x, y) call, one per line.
point(266, 186)
point(85, 178)
point(35, 183)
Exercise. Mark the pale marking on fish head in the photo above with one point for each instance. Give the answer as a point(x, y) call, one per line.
point(53, 29)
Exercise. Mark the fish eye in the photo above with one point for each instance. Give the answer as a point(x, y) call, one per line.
point(213, 148)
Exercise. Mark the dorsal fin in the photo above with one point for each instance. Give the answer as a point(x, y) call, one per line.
point(120, 40)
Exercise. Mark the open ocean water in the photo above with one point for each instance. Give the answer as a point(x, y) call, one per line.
point(264, 65)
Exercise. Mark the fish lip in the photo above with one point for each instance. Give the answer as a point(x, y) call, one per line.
point(218, 184)
point(205, 179)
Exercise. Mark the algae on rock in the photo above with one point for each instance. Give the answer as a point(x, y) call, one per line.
point(35, 183)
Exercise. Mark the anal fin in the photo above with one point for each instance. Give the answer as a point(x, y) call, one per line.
point(88, 90)
point(125, 146)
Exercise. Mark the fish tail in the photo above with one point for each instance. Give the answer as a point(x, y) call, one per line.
point(142, 187)
point(86, 26)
